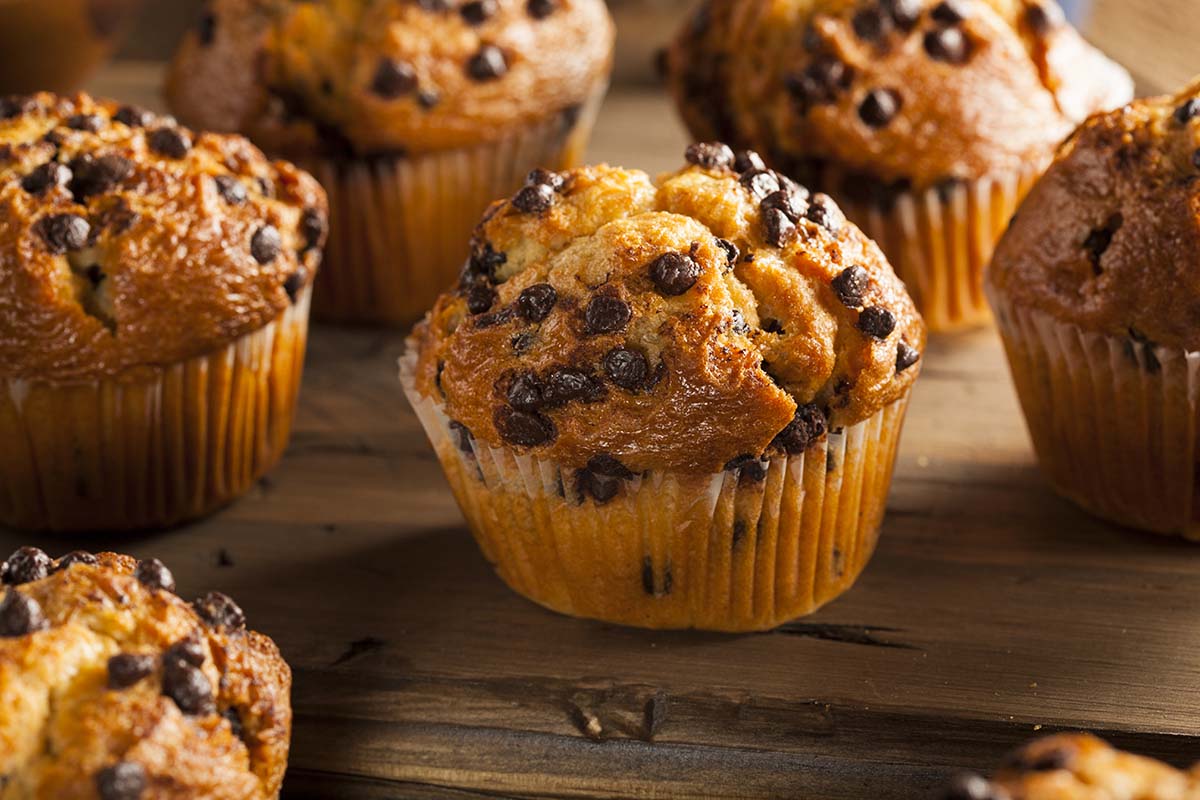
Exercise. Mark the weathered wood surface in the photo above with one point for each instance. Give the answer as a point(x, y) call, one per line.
point(992, 611)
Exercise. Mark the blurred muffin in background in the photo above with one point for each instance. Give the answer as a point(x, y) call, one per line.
point(413, 115)
point(54, 45)
point(1096, 287)
point(928, 120)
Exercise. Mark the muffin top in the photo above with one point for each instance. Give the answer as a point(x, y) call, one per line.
point(128, 241)
point(1109, 239)
point(369, 77)
point(1077, 767)
point(115, 687)
point(717, 314)
point(906, 92)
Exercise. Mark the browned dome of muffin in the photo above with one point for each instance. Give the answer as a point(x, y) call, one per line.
point(113, 686)
point(129, 241)
point(1109, 239)
point(381, 76)
point(716, 313)
point(854, 93)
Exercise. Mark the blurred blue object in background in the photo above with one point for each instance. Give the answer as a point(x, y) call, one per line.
point(1076, 9)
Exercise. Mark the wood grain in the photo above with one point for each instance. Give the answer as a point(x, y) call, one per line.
point(993, 611)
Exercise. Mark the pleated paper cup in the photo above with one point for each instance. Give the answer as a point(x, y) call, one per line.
point(400, 227)
point(734, 551)
point(1113, 420)
point(940, 242)
point(153, 446)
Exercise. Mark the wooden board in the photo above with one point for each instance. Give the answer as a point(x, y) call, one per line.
point(993, 611)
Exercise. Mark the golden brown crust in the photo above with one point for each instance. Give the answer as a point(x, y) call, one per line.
point(655, 347)
point(69, 716)
point(1109, 239)
point(367, 78)
point(120, 246)
point(841, 90)
point(1078, 767)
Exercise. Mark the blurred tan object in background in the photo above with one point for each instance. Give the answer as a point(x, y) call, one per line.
point(56, 44)
point(643, 28)
point(1154, 39)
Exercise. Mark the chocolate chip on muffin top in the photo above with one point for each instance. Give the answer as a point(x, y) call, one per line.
point(128, 241)
point(670, 324)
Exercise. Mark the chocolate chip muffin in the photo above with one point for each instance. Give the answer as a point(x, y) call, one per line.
point(1077, 767)
point(670, 404)
point(414, 116)
point(1096, 292)
point(114, 687)
point(154, 291)
point(927, 119)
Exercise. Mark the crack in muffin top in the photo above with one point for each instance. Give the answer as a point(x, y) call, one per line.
point(128, 241)
point(114, 686)
point(1109, 239)
point(904, 92)
point(717, 314)
point(385, 77)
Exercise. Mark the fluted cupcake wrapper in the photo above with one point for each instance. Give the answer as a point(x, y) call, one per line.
point(724, 552)
point(400, 227)
point(153, 446)
point(940, 242)
point(1113, 420)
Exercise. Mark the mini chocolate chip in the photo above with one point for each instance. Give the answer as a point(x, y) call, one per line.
point(877, 322)
point(526, 393)
point(850, 285)
point(778, 230)
point(393, 79)
point(534, 198)
point(606, 314)
point(188, 686)
point(905, 13)
point(879, 107)
point(772, 326)
point(428, 98)
point(64, 233)
point(1044, 17)
point(92, 176)
point(748, 161)
point(949, 12)
point(971, 787)
point(710, 155)
point(566, 384)
point(480, 298)
point(821, 81)
point(266, 244)
point(627, 368)
point(947, 44)
point(232, 190)
point(219, 611)
point(605, 464)
point(14, 105)
point(126, 669)
point(153, 574)
point(92, 123)
point(234, 718)
point(760, 183)
point(824, 212)
point(477, 12)
point(601, 488)
point(731, 251)
point(125, 780)
point(546, 177)
point(20, 615)
point(313, 226)
point(872, 24)
point(806, 428)
point(540, 9)
point(536, 302)
point(674, 273)
point(186, 651)
point(170, 142)
point(906, 356)
point(523, 428)
point(487, 64)
point(76, 557)
point(463, 435)
point(206, 28)
point(784, 200)
point(133, 116)
point(294, 283)
point(1100, 239)
point(45, 176)
point(1189, 111)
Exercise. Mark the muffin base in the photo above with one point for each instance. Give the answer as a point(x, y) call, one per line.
point(400, 227)
point(154, 446)
point(940, 242)
point(1114, 421)
point(719, 552)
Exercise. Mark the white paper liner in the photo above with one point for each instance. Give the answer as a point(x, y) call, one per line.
point(676, 550)
point(400, 228)
point(940, 242)
point(154, 446)
point(1113, 420)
